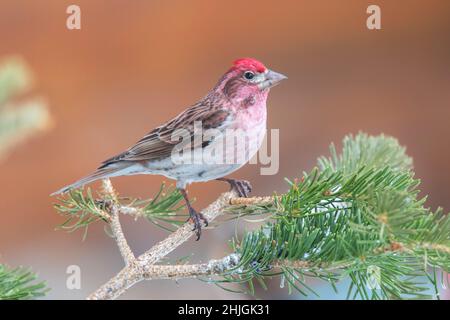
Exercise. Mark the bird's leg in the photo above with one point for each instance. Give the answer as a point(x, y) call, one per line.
point(242, 187)
point(194, 216)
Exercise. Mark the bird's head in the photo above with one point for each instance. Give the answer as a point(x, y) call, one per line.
point(248, 78)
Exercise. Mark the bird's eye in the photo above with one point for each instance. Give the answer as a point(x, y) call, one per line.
point(249, 75)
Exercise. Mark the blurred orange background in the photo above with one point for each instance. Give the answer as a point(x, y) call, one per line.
point(135, 64)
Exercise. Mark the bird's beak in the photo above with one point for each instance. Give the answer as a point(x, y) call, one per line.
point(272, 78)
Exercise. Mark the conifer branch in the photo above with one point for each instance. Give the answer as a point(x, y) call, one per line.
point(357, 215)
point(114, 211)
point(19, 284)
point(143, 266)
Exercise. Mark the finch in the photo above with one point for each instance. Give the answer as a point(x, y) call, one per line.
point(237, 104)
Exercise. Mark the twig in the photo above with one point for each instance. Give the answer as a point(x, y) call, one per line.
point(122, 243)
point(143, 267)
point(116, 229)
point(252, 201)
point(213, 267)
point(185, 232)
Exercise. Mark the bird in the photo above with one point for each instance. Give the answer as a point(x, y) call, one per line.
point(237, 103)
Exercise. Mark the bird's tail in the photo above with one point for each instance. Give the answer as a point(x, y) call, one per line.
point(102, 173)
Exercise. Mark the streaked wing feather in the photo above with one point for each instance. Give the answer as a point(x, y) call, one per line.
point(158, 143)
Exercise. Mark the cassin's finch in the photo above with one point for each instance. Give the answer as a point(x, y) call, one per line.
point(237, 102)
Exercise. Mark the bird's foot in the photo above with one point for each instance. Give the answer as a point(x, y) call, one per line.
point(242, 187)
point(196, 218)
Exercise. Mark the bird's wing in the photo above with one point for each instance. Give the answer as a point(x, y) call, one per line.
point(158, 143)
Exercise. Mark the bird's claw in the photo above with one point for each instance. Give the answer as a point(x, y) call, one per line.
point(242, 187)
point(195, 218)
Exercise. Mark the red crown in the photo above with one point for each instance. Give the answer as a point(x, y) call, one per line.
point(249, 64)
